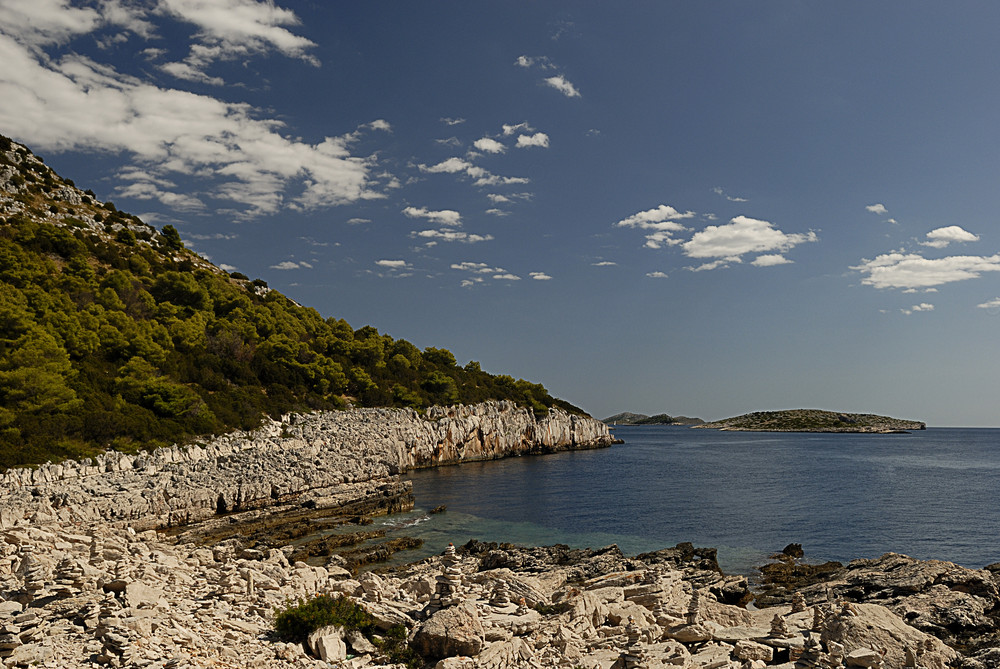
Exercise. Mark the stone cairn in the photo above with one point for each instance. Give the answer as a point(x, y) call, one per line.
point(448, 584)
point(694, 608)
point(798, 602)
point(501, 594)
point(779, 630)
point(33, 573)
point(70, 578)
point(811, 656)
point(632, 655)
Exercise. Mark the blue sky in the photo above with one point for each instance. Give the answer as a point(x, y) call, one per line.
point(699, 208)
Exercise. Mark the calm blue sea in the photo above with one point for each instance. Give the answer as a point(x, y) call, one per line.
point(929, 494)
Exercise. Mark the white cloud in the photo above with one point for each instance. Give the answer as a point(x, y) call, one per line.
point(289, 264)
point(450, 141)
point(657, 275)
point(489, 145)
point(450, 166)
point(899, 270)
point(718, 191)
point(488, 179)
point(538, 139)
point(442, 217)
point(507, 277)
point(663, 221)
point(941, 237)
point(657, 240)
point(923, 306)
point(234, 29)
point(476, 267)
point(358, 221)
point(509, 130)
point(227, 268)
point(742, 235)
point(393, 264)
point(523, 61)
point(539, 276)
point(715, 264)
point(452, 121)
point(604, 263)
point(770, 260)
point(43, 22)
point(497, 212)
point(236, 153)
point(991, 304)
point(663, 218)
point(496, 198)
point(451, 236)
point(560, 83)
point(878, 208)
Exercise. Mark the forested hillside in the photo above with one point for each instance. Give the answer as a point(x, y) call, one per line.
point(113, 335)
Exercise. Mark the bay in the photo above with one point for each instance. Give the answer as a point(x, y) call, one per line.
point(928, 494)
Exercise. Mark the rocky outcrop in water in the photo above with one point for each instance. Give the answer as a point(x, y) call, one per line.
point(322, 459)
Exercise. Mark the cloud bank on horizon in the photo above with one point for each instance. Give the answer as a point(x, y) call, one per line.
point(576, 154)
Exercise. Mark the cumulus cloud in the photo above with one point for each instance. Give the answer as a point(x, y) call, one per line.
point(497, 212)
point(923, 306)
point(451, 236)
point(539, 276)
point(715, 264)
point(991, 304)
point(507, 277)
point(476, 267)
point(740, 236)
point(941, 237)
point(509, 130)
point(452, 121)
point(393, 264)
point(900, 270)
point(233, 29)
point(42, 22)
point(770, 260)
point(561, 84)
point(657, 275)
point(877, 208)
point(538, 139)
point(236, 152)
point(489, 145)
point(662, 221)
point(452, 165)
point(290, 264)
point(604, 263)
point(442, 217)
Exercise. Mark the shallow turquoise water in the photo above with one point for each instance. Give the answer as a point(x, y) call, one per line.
point(929, 494)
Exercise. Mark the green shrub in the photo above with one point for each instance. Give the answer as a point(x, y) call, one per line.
point(296, 622)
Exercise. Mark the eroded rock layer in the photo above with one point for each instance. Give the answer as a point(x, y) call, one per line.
point(325, 459)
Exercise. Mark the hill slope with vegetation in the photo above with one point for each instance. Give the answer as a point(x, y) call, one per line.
point(113, 335)
point(814, 420)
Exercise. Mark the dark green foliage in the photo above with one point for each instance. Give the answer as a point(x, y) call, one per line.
point(107, 341)
point(172, 238)
point(297, 621)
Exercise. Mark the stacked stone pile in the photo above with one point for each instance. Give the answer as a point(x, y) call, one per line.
point(332, 458)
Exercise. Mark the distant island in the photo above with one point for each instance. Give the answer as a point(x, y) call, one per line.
point(628, 418)
point(814, 420)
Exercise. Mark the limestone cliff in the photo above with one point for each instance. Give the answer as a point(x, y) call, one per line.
point(332, 459)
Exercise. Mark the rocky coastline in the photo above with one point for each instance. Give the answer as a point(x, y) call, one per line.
point(90, 578)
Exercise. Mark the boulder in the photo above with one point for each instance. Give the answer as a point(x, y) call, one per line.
point(450, 632)
point(327, 643)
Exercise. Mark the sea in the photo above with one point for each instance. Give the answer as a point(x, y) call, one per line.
point(929, 494)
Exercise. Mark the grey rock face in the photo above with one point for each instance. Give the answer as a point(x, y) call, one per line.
point(333, 458)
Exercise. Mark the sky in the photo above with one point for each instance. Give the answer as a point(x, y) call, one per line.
point(693, 208)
